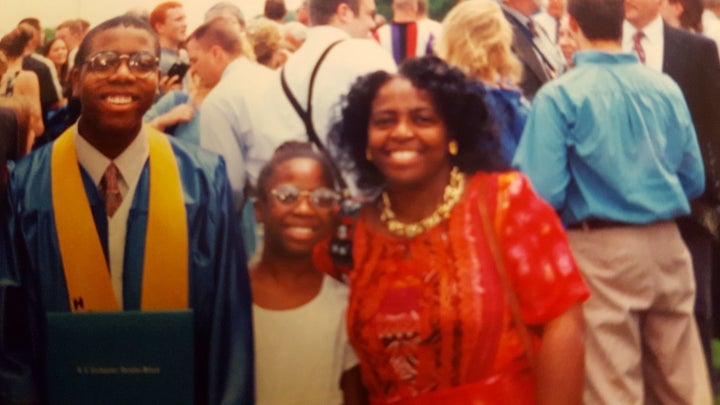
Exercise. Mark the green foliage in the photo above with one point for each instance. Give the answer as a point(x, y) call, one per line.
point(48, 34)
point(437, 8)
point(383, 7)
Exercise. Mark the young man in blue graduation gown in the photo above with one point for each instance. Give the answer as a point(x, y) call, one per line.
point(184, 253)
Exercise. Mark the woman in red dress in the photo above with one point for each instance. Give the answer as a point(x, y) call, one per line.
point(429, 315)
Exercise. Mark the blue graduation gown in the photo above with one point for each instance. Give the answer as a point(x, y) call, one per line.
point(218, 281)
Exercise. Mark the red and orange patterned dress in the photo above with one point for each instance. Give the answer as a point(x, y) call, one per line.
point(427, 315)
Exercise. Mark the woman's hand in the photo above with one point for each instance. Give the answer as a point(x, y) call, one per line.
point(168, 83)
point(560, 369)
point(179, 114)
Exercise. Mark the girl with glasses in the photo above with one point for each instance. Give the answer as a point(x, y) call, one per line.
point(302, 354)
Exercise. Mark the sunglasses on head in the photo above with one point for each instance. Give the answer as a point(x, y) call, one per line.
point(107, 62)
point(321, 197)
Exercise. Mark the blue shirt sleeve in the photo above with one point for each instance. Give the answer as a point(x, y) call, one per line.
point(542, 152)
point(165, 103)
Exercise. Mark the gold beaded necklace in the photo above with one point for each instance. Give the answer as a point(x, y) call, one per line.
point(451, 196)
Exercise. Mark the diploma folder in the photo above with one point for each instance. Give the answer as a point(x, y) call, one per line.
point(130, 357)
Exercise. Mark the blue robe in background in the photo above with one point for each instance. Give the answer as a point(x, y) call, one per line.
point(509, 110)
point(218, 281)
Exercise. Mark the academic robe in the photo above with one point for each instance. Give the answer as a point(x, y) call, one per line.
point(218, 285)
point(8, 140)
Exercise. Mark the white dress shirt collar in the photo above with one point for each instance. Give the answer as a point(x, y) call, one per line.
point(130, 162)
point(653, 43)
point(522, 18)
point(653, 30)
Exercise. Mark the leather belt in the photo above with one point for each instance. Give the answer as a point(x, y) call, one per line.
point(594, 223)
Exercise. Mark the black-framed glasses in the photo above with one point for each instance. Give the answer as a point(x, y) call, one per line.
point(107, 62)
point(322, 197)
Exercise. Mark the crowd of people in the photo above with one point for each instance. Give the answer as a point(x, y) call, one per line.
point(517, 204)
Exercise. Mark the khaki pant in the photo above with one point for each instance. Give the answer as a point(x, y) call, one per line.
point(642, 344)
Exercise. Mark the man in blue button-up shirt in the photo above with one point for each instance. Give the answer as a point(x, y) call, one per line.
point(611, 145)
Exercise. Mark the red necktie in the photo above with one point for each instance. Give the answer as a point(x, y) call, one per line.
point(109, 189)
point(637, 45)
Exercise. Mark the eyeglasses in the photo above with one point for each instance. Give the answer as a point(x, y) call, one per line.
point(322, 197)
point(107, 62)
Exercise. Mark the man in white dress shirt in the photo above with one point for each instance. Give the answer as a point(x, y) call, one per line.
point(424, 19)
point(541, 59)
point(262, 118)
point(551, 18)
point(218, 55)
point(404, 37)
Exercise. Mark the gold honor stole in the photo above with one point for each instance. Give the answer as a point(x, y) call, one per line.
point(165, 265)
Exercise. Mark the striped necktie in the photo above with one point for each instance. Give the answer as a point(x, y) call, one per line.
point(637, 45)
point(110, 190)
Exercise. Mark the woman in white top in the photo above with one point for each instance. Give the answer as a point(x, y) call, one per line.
point(302, 354)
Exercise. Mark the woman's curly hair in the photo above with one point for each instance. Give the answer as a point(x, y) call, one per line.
point(459, 102)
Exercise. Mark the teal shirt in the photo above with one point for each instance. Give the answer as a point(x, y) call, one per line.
point(187, 131)
point(612, 139)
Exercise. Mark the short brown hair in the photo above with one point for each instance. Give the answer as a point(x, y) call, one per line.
point(223, 32)
point(32, 21)
point(75, 26)
point(275, 9)
point(226, 8)
point(159, 13)
point(322, 11)
point(598, 19)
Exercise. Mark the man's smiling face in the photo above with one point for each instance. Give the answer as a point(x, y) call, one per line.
point(115, 99)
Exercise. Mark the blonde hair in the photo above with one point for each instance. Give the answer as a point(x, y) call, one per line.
point(476, 38)
point(266, 39)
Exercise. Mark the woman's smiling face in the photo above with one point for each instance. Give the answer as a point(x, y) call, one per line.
point(407, 137)
point(58, 52)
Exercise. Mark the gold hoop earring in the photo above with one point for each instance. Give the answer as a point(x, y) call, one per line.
point(453, 148)
point(368, 154)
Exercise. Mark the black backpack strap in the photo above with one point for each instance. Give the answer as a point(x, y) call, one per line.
point(341, 242)
point(306, 115)
point(306, 119)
